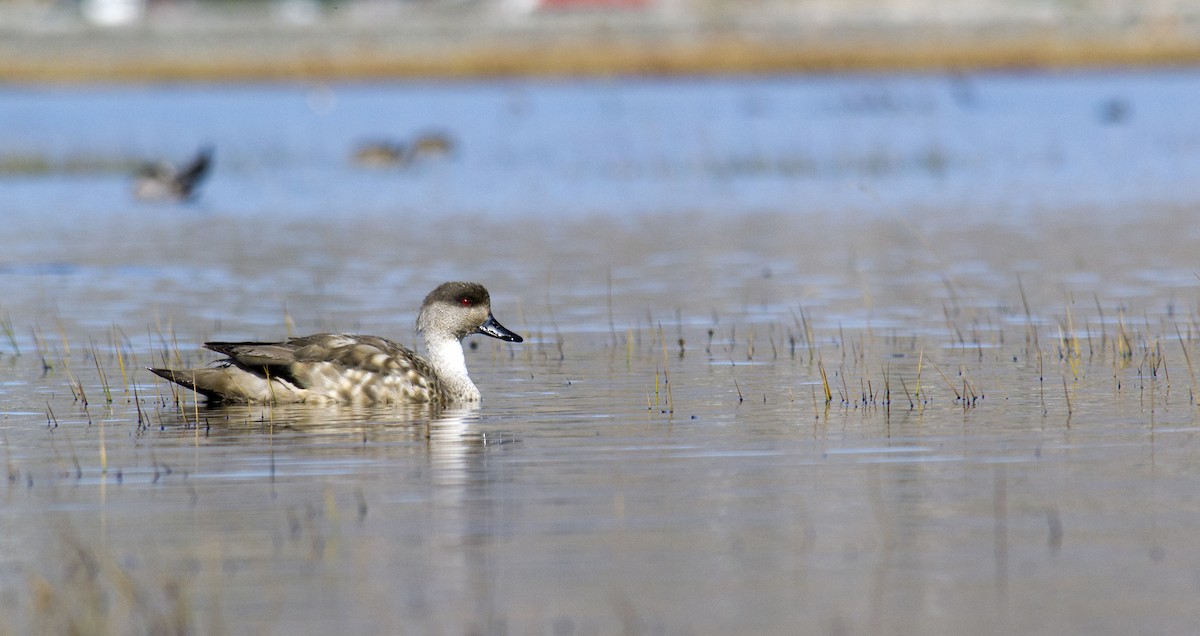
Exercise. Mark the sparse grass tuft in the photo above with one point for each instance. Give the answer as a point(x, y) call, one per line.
point(824, 381)
point(6, 325)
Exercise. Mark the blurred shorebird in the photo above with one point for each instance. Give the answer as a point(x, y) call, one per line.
point(382, 154)
point(433, 144)
point(387, 154)
point(163, 181)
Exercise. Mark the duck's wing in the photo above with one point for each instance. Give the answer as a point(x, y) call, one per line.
point(192, 174)
point(256, 354)
point(321, 367)
point(334, 363)
point(370, 354)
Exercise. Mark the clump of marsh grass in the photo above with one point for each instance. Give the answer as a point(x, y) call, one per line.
point(1031, 333)
point(908, 395)
point(77, 389)
point(754, 166)
point(917, 389)
point(108, 399)
point(1103, 327)
point(806, 330)
point(843, 390)
point(42, 350)
point(1069, 350)
point(666, 370)
point(31, 164)
point(1067, 394)
point(824, 381)
point(6, 325)
point(122, 347)
point(1122, 344)
point(1188, 359)
point(11, 469)
point(289, 325)
point(25, 164)
point(142, 421)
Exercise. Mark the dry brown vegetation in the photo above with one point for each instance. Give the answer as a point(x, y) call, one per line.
point(728, 54)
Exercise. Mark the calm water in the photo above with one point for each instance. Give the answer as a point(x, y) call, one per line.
point(995, 275)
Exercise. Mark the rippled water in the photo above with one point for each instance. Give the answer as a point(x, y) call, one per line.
point(994, 275)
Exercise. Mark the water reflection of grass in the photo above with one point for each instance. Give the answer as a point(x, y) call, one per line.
point(91, 593)
point(761, 166)
point(6, 325)
point(931, 160)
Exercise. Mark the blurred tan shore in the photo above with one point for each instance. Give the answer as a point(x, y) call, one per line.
point(172, 40)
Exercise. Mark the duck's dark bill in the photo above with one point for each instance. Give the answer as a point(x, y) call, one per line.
point(497, 330)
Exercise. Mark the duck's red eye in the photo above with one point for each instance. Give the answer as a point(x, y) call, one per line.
point(466, 302)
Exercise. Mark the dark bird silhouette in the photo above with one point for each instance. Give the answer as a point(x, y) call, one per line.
point(163, 181)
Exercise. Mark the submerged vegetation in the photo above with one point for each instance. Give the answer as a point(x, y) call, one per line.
point(811, 372)
point(972, 356)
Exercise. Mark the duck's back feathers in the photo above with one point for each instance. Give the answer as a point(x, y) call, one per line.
point(319, 368)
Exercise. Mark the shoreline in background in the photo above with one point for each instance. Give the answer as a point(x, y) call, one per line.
point(366, 41)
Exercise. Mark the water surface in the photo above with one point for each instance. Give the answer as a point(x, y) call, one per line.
point(994, 276)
